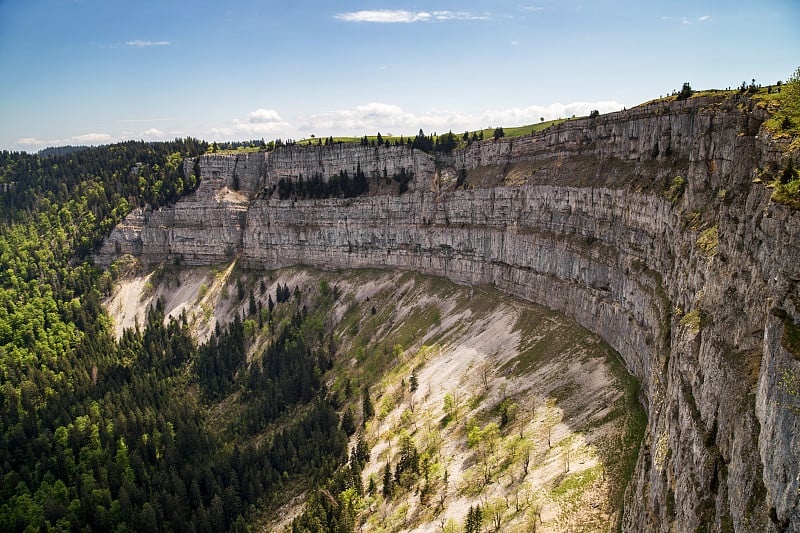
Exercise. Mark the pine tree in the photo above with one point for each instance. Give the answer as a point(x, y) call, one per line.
point(387, 481)
point(348, 424)
point(474, 520)
point(686, 91)
point(788, 173)
point(252, 308)
point(362, 450)
point(366, 405)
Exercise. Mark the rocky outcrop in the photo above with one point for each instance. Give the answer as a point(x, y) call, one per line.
point(691, 279)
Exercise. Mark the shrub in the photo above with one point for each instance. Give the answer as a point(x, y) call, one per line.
point(787, 187)
point(709, 241)
point(676, 189)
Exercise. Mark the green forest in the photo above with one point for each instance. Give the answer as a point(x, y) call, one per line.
point(104, 435)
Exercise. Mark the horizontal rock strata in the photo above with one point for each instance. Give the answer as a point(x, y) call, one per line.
point(692, 280)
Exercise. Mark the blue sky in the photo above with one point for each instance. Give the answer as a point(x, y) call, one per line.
point(98, 71)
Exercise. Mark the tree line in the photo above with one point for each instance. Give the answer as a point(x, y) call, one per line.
point(101, 434)
point(339, 185)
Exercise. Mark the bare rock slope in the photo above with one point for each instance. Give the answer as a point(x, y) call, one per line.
point(645, 225)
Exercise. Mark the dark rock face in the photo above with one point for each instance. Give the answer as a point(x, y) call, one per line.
point(681, 276)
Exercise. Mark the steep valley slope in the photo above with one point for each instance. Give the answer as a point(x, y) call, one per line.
point(650, 227)
point(541, 429)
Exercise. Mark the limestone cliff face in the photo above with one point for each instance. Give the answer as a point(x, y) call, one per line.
point(586, 218)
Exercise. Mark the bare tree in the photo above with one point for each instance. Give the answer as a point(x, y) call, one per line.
point(522, 497)
point(535, 517)
point(496, 508)
point(445, 484)
point(525, 455)
point(485, 372)
point(451, 401)
point(523, 416)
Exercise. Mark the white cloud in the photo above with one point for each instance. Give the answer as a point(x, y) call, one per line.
point(376, 116)
point(357, 121)
point(263, 116)
point(686, 21)
point(362, 119)
point(395, 16)
point(30, 141)
point(93, 138)
point(259, 123)
point(457, 15)
point(383, 16)
point(143, 44)
point(528, 115)
point(153, 133)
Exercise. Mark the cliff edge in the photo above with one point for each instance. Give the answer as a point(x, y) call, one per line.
point(645, 225)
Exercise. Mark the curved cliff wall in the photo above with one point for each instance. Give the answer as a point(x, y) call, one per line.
point(691, 283)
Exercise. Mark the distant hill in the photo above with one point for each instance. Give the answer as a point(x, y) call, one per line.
point(52, 151)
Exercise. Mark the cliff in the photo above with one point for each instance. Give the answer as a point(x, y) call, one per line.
point(643, 225)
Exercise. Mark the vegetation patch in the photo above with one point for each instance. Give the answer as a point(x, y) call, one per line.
point(542, 338)
point(784, 104)
point(459, 140)
point(621, 460)
point(577, 482)
point(784, 121)
point(708, 241)
point(676, 189)
point(790, 385)
point(786, 188)
point(694, 321)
